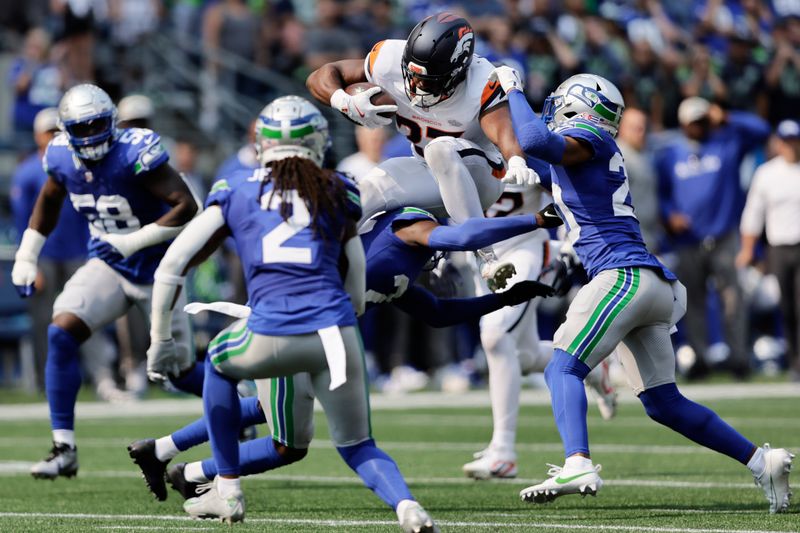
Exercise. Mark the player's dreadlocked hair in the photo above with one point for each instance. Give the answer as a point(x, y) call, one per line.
point(323, 192)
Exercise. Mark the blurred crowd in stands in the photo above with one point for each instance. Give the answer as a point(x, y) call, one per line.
point(712, 89)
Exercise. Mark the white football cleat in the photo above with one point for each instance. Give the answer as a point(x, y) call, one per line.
point(775, 478)
point(599, 383)
point(61, 461)
point(492, 464)
point(414, 519)
point(564, 481)
point(212, 505)
point(495, 272)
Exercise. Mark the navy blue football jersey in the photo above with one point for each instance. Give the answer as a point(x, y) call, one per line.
point(111, 195)
point(392, 265)
point(594, 201)
point(291, 269)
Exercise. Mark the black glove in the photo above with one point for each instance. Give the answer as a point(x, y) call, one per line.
point(559, 274)
point(548, 217)
point(523, 291)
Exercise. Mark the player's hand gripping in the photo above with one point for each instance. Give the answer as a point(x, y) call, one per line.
point(23, 275)
point(360, 109)
point(162, 361)
point(523, 291)
point(548, 217)
point(518, 172)
point(508, 77)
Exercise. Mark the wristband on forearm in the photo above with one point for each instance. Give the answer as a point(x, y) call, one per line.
point(30, 246)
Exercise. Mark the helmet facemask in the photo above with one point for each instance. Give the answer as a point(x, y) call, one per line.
point(426, 90)
point(91, 138)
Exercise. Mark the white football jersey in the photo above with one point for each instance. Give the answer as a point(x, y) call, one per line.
point(457, 116)
point(520, 200)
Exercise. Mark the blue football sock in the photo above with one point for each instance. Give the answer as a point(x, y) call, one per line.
point(223, 415)
point(564, 375)
point(197, 433)
point(378, 471)
point(667, 406)
point(191, 381)
point(255, 456)
point(62, 377)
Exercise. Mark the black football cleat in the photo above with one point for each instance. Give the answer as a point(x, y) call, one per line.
point(143, 453)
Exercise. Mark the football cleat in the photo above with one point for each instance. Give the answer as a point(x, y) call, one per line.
point(564, 481)
point(492, 465)
point(599, 383)
point(775, 478)
point(495, 272)
point(188, 489)
point(61, 461)
point(414, 519)
point(211, 505)
point(143, 453)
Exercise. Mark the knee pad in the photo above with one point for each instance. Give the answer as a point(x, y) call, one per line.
point(441, 151)
point(564, 363)
point(491, 338)
point(661, 403)
point(290, 455)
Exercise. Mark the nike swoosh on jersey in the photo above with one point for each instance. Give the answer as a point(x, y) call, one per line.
point(561, 480)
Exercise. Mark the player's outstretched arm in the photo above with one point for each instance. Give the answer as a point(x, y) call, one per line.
point(204, 235)
point(440, 313)
point(533, 135)
point(475, 233)
point(166, 184)
point(42, 222)
point(496, 124)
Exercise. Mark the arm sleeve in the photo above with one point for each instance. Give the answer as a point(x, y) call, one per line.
point(477, 233)
point(755, 208)
point(533, 135)
point(355, 282)
point(752, 129)
point(440, 313)
point(169, 275)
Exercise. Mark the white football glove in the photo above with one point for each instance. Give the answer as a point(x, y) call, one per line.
point(360, 109)
point(508, 77)
point(120, 243)
point(162, 360)
point(518, 172)
point(23, 276)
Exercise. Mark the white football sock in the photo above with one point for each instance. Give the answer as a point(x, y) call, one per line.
point(194, 473)
point(227, 486)
point(64, 436)
point(578, 462)
point(456, 185)
point(757, 464)
point(166, 449)
point(504, 388)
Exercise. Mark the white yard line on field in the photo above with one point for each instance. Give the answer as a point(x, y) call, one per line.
point(369, 523)
point(13, 468)
point(412, 446)
point(423, 400)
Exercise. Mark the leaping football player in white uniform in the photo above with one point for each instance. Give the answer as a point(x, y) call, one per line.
point(456, 120)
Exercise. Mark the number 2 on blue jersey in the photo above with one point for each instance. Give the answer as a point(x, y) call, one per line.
point(272, 247)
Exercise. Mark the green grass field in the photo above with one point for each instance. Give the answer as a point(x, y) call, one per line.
point(655, 480)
